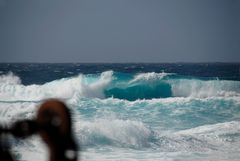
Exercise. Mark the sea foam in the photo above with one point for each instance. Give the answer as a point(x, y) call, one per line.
point(106, 84)
point(65, 88)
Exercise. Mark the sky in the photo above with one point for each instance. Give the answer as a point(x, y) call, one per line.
point(119, 31)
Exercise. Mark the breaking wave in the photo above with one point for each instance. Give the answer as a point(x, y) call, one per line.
point(9, 78)
point(117, 85)
point(135, 134)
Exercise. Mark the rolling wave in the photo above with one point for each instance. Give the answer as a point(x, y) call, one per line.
point(117, 85)
point(161, 116)
point(135, 134)
point(119, 132)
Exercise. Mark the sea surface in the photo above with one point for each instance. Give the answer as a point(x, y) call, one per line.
point(135, 111)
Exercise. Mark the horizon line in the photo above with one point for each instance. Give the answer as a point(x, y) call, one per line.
point(181, 62)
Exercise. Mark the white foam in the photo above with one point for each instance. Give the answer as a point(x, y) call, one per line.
point(10, 112)
point(156, 101)
point(80, 86)
point(66, 88)
point(9, 79)
point(95, 89)
point(213, 131)
point(149, 76)
point(205, 138)
point(127, 136)
point(30, 149)
point(203, 89)
point(119, 132)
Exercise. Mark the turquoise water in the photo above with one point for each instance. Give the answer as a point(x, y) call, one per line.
point(133, 115)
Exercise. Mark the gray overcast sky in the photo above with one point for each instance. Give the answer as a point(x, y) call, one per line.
point(119, 30)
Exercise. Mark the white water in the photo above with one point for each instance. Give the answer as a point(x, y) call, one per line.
point(81, 86)
point(149, 76)
point(114, 129)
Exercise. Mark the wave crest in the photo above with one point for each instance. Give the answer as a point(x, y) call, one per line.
point(204, 89)
point(65, 88)
point(151, 76)
point(9, 78)
point(104, 85)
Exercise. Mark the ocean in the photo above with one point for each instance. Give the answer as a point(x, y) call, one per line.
point(131, 112)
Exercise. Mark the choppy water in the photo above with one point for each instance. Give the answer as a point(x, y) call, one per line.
point(132, 111)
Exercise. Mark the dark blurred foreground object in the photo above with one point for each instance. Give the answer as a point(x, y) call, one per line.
point(53, 124)
point(5, 154)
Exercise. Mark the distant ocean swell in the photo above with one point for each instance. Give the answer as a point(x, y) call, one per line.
point(112, 111)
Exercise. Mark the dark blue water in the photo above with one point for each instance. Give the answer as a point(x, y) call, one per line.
point(41, 73)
